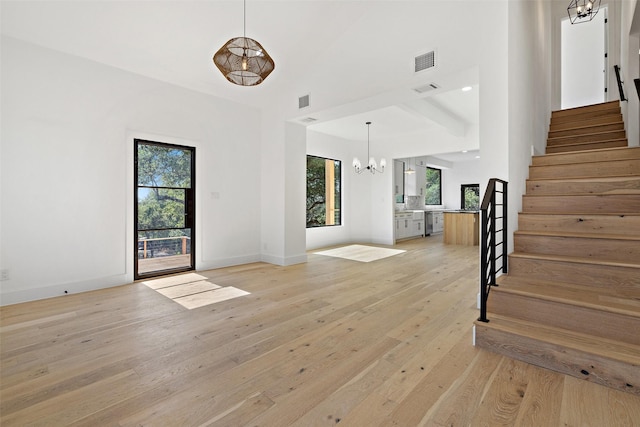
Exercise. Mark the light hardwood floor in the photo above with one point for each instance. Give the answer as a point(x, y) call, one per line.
point(332, 341)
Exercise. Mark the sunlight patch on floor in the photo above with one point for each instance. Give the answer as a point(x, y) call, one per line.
point(361, 253)
point(193, 290)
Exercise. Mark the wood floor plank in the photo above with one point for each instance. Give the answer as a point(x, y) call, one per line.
point(329, 342)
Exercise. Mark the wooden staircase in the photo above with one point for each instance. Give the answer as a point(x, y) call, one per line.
point(571, 300)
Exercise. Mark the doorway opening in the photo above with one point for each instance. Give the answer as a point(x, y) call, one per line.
point(164, 208)
point(583, 50)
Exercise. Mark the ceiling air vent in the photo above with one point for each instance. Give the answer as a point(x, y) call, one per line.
point(426, 88)
point(308, 120)
point(426, 61)
point(303, 102)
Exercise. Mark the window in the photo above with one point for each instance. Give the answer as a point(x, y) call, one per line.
point(324, 185)
point(434, 187)
point(470, 197)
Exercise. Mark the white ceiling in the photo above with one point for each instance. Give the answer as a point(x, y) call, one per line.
point(174, 41)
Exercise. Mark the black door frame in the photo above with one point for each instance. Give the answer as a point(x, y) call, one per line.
point(190, 205)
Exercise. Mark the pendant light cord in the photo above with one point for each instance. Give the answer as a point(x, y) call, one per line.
point(244, 19)
point(368, 153)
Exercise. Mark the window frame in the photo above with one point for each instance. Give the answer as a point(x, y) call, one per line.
point(440, 189)
point(462, 193)
point(339, 199)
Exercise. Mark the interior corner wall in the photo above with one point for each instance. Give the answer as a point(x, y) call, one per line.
point(529, 94)
point(356, 193)
point(66, 171)
point(295, 193)
point(630, 60)
point(494, 101)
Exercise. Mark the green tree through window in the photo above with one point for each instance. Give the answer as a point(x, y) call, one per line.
point(324, 181)
point(433, 195)
point(470, 197)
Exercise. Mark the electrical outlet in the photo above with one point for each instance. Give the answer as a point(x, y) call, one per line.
point(4, 274)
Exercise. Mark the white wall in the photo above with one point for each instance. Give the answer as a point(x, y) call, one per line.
point(530, 103)
point(67, 181)
point(461, 173)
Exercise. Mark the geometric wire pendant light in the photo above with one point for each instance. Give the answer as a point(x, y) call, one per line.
point(583, 10)
point(243, 61)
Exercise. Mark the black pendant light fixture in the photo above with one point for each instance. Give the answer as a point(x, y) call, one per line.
point(583, 10)
point(372, 166)
point(243, 61)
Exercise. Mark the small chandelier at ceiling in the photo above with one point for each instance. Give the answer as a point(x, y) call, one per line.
point(583, 10)
point(243, 61)
point(372, 166)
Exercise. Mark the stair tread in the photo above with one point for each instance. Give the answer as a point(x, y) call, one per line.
point(607, 117)
point(604, 214)
point(569, 144)
point(610, 194)
point(600, 106)
point(577, 157)
point(628, 353)
point(556, 138)
point(604, 299)
point(606, 178)
point(589, 151)
point(574, 259)
point(594, 125)
point(578, 235)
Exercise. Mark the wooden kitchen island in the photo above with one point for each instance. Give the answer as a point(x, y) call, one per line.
point(461, 228)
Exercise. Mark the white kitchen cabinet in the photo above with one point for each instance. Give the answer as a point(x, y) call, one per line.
point(438, 222)
point(398, 181)
point(416, 183)
point(421, 178)
point(417, 227)
point(409, 224)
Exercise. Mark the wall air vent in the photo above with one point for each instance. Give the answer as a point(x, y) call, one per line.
point(426, 88)
point(308, 120)
point(425, 61)
point(303, 102)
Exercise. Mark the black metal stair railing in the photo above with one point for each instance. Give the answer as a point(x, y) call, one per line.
point(616, 68)
point(493, 239)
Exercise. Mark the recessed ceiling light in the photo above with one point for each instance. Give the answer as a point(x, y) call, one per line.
point(464, 151)
point(477, 157)
point(466, 88)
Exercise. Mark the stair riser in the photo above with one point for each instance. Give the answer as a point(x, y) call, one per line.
point(584, 187)
point(607, 203)
point(599, 120)
point(587, 130)
point(587, 110)
point(624, 280)
point(559, 315)
point(579, 170)
point(588, 156)
point(587, 146)
point(592, 137)
point(601, 370)
point(597, 249)
point(598, 224)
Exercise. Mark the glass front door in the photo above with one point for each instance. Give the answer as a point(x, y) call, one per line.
point(164, 208)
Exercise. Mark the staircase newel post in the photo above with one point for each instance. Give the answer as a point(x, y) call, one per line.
point(492, 279)
point(505, 232)
point(483, 266)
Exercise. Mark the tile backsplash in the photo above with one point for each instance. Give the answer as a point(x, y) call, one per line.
point(414, 202)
